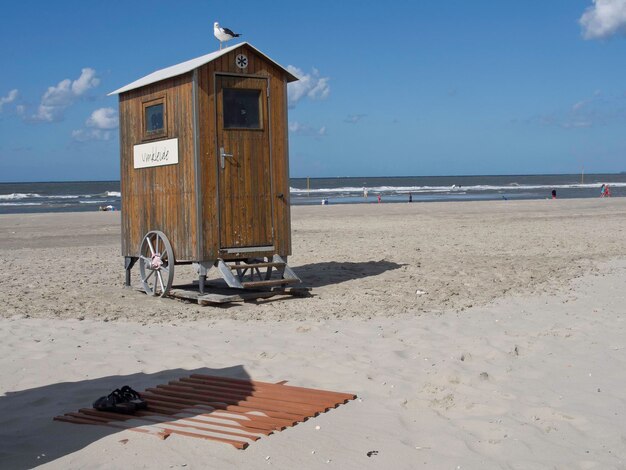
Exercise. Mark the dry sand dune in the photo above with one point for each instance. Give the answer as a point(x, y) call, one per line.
point(514, 356)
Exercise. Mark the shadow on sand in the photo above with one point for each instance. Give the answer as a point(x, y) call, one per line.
point(32, 438)
point(312, 275)
point(333, 272)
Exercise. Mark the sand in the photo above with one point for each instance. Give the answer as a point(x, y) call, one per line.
point(476, 335)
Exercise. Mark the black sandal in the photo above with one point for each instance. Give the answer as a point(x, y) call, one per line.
point(131, 396)
point(115, 402)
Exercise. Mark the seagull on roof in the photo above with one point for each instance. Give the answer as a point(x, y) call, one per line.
point(223, 34)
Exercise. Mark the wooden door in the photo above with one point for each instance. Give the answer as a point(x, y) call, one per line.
point(244, 166)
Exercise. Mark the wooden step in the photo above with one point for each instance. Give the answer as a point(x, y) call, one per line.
point(272, 282)
point(236, 267)
point(231, 273)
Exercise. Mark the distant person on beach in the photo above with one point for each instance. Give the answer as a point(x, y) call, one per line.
point(365, 192)
point(379, 199)
point(602, 190)
point(410, 197)
point(554, 194)
point(607, 191)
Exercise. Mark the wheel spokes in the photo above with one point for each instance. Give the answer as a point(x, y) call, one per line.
point(152, 252)
point(156, 243)
point(160, 281)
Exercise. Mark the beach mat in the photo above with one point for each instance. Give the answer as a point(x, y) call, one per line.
point(223, 409)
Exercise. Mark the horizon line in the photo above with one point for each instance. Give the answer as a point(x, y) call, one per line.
point(352, 177)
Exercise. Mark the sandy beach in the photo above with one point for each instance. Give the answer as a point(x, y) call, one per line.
point(476, 335)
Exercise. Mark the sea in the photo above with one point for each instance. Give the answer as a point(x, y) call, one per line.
point(84, 196)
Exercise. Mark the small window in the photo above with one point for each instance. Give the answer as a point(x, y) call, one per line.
point(242, 109)
point(154, 119)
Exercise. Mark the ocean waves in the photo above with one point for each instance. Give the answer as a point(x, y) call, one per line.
point(59, 198)
point(351, 190)
point(89, 195)
point(442, 189)
point(15, 204)
point(18, 196)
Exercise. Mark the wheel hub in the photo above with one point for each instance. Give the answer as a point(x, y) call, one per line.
point(156, 262)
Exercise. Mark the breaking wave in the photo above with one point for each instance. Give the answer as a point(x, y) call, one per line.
point(445, 189)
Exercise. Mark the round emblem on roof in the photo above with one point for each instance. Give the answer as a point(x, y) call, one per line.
point(242, 61)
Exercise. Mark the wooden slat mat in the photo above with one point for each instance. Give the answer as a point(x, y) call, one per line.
point(233, 411)
point(220, 294)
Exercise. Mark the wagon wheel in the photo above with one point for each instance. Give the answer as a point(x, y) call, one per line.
point(156, 263)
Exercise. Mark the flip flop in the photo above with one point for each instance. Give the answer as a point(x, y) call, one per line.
point(131, 396)
point(115, 402)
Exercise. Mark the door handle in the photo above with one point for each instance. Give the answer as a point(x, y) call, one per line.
point(224, 156)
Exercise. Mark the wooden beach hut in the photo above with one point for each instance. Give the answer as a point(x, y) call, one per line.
point(205, 171)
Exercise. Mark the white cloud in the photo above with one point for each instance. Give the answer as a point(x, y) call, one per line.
point(603, 19)
point(103, 118)
point(10, 98)
point(354, 118)
point(85, 82)
point(98, 126)
point(58, 98)
point(311, 86)
point(595, 111)
point(298, 128)
point(84, 135)
point(574, 124)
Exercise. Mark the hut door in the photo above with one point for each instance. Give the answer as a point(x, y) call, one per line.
point(243, 153)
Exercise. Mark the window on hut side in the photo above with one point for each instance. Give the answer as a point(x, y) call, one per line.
point(154, 119)
point(242, 108)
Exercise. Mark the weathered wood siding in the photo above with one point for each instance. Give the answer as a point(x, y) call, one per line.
point(208, 151)
point(163, 197)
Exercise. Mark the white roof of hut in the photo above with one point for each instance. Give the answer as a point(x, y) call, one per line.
point(193, 64)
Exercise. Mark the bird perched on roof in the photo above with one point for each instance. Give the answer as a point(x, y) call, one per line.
point(223, 34)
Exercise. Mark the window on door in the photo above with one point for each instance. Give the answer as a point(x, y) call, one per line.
point(242, 108)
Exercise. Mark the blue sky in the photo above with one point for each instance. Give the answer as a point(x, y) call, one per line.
point(390, 88)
